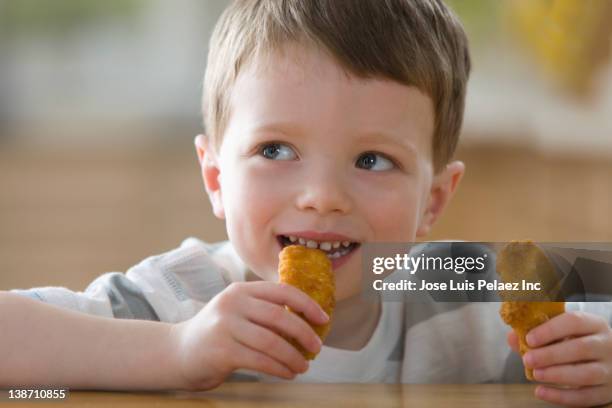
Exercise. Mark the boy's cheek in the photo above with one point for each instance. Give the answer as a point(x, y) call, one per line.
point(395, 223)
point(253, 190)
point(261, 262)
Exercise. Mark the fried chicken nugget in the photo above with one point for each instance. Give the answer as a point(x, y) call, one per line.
point(310, 271)
point(525, 260)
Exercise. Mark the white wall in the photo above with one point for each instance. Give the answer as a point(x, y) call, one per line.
point(508, 102)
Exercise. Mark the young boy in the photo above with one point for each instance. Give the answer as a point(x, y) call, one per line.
point(328, 124)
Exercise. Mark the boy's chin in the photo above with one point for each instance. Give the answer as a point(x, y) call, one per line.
point(346, 290)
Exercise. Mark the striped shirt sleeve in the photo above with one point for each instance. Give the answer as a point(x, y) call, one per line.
point(170, 287)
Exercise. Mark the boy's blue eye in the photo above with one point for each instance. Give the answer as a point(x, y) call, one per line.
point(277, 151)
point(374, 161)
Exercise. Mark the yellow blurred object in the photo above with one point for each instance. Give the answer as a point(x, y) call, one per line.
point(569, 39)
point(310, 271)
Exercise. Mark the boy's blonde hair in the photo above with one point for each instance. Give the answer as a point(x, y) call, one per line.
point(419, 43)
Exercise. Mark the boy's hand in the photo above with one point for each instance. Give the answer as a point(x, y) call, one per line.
point(242, 327)
point(573, 349)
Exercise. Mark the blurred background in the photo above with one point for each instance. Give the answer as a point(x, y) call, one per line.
point(100, 101)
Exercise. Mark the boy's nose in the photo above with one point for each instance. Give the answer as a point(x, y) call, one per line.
point(324, 192)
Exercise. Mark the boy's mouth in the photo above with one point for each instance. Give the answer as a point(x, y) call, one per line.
point(337, 251)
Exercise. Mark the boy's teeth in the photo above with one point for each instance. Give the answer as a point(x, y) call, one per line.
point(325, 246)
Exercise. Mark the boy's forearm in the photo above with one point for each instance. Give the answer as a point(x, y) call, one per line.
point(41, 344)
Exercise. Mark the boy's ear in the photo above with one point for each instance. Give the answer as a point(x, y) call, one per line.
point(209, 167)
point(442, 189)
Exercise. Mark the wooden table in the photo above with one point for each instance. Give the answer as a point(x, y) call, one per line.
point(313, 396)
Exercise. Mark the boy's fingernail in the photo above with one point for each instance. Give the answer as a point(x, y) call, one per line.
point(315, 346)
point(325, 316)
point(528, 359)
point(537, 374)
point(531, 341)
point(539, 392)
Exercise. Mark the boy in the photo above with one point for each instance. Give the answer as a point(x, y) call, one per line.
point(328, 124)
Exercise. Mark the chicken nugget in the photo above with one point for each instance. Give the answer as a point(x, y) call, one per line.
point(520, 260)
point(310, 271)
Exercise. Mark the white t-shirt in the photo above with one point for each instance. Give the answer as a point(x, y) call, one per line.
point(413, 342)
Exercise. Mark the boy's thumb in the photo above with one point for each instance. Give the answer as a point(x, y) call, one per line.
point(513, 342)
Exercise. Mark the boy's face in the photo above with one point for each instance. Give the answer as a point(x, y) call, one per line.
point(312, 153)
